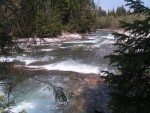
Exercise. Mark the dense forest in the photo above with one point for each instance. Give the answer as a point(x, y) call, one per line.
point(26, 18)
point(130, 88)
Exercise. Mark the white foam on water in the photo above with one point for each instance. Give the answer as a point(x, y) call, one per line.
point(90, 41)
point(109, 39)
point(93, 37)
point(108, 42)
point(6, 59)
point(82, 41)
point(18, 58)
point(110, 36)
point(63, 47)
point(23, 105)
point(1, 90)
point(70, 65)
point(27, 60)
point(47, 49)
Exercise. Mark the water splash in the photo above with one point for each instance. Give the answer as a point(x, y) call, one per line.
point(23, 105)
point(70, 65)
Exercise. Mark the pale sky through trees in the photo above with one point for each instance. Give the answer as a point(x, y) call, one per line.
point(110, 4)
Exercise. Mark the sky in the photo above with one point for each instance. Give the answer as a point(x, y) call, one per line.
point(110, 4)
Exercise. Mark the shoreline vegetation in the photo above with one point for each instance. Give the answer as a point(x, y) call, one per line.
point(38, 22)
point(25, 19)
point(59, 21)
point(65, 36)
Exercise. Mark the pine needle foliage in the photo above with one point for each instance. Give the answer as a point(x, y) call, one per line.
point(131, 85)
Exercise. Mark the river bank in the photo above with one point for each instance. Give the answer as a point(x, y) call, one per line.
point(75, 65)
point(65, 36)
point(120, 31)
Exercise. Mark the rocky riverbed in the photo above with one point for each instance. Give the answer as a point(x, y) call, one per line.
point(75, 65)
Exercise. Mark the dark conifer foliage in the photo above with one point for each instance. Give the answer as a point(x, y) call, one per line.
point(131, 86)
point(26, 16)
point(29, 18)
point(121, 11)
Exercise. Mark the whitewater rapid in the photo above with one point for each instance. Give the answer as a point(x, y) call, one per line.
point(83, 56)
point(92, 43)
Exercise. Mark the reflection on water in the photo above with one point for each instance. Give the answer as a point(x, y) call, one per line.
point(73, 65)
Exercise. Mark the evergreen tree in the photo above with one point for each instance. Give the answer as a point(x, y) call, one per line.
point(121, 11)
point(131, 85)
point(101, 12)
point(112, 13)
point(86, 16)
point(29, 18)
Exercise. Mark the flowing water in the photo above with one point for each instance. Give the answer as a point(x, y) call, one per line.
point(69, 64)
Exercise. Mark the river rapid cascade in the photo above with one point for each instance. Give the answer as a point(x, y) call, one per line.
point(75, 65)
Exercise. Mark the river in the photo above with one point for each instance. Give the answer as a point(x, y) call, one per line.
point(72, 65)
